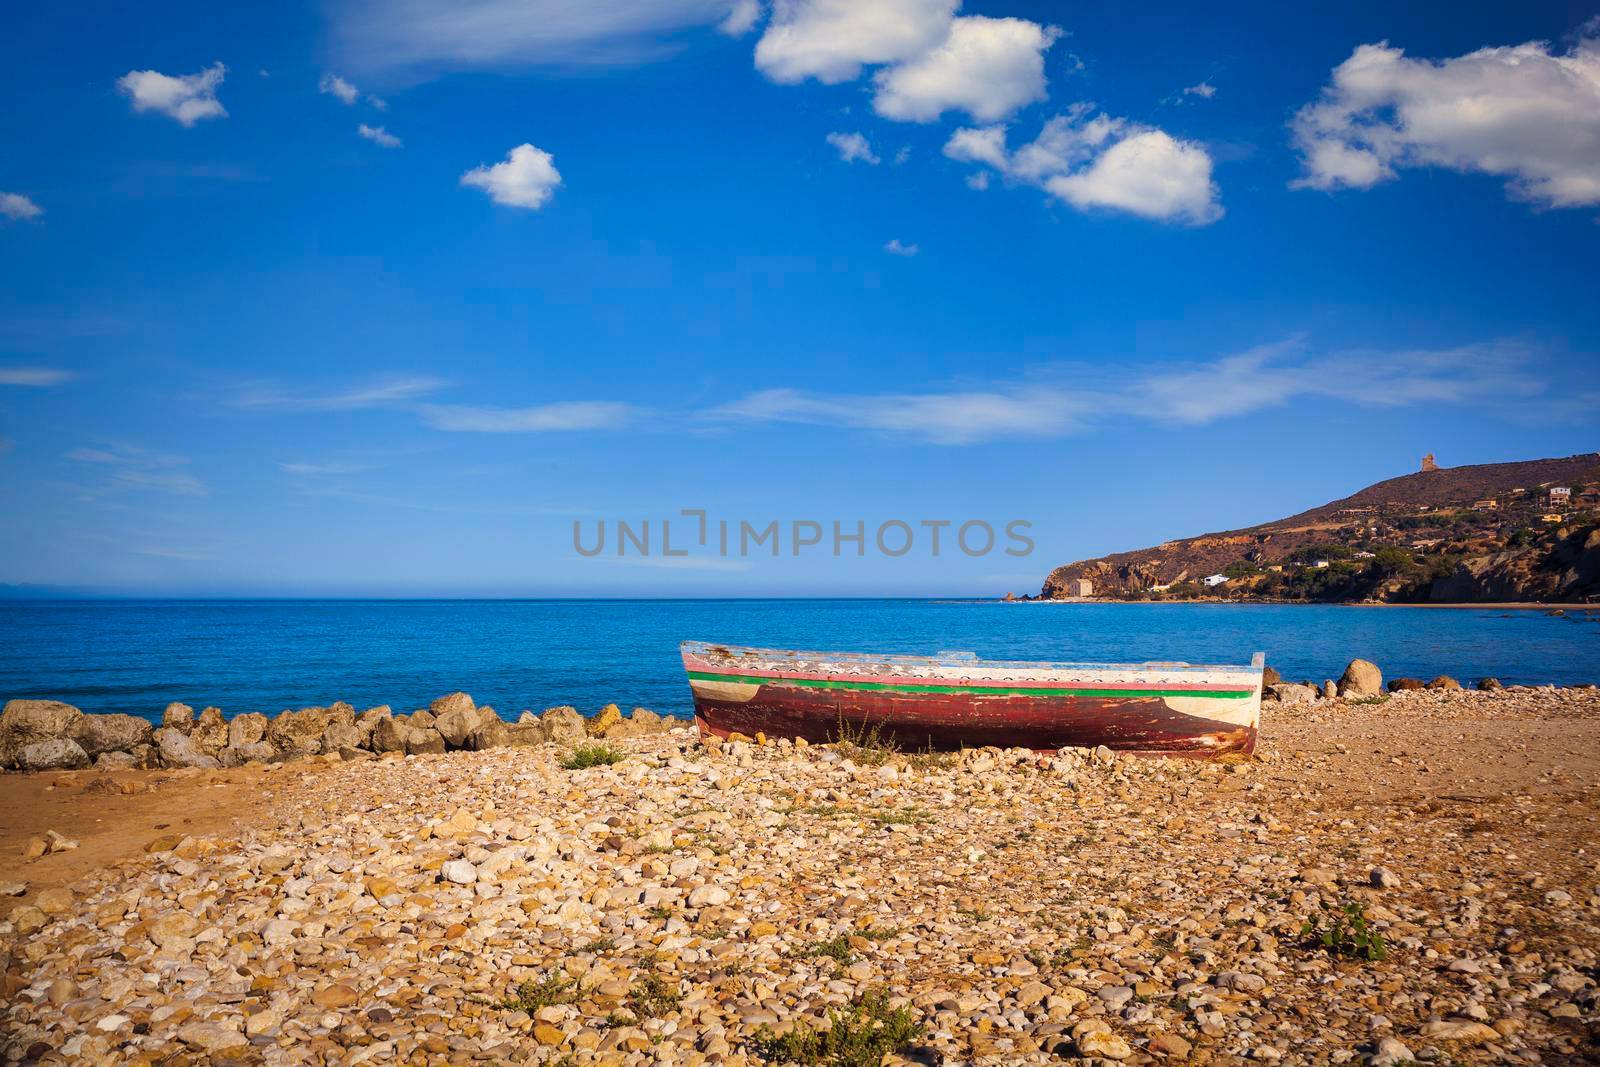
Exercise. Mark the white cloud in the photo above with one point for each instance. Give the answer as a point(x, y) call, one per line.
point(902, 155)
point(853, 146)
point(1103, 162)
point(1177, 394)
point(1205, 90)
point(741, 18)
point(17, 206)
point(896, 248)
point(527, 178)
point(566, 415)
point(427, 36)
point(1522, 113)
point(134, 467)
point(986, 67)
point(187, 98)
point(378, 135)
point(333, 85)
point(386, 392)
point(831, 40)
point(36, 376)
point(317, 470)
point(978, 181)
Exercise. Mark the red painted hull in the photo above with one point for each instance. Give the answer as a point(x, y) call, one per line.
point(944, 722)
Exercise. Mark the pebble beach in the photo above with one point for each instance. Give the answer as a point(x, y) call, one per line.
point(1411, 879)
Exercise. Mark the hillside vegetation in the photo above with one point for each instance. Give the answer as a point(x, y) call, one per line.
point(1492, 532)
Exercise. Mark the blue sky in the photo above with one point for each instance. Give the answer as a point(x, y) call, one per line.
point(392, 297)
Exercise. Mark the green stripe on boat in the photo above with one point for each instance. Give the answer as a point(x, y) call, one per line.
point(983, 690)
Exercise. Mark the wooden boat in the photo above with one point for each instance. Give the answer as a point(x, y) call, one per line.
point(955, 700)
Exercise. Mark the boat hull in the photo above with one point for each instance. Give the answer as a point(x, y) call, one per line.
point(939, 704)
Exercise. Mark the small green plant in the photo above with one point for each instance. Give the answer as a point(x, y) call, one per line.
point(1380, 698)
point(653, 995)
point(1342, 932)
point(599, 945)
point(865, 743)
point(836, 949)
point(535, 993)
point(592, 754)
point(661, 913)
point(974, 915)
point(858, 1037)
point(898, 817)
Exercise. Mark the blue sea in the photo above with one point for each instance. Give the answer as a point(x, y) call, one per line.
point(136, 655)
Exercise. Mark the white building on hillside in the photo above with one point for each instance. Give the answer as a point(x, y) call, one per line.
point(1214, 580)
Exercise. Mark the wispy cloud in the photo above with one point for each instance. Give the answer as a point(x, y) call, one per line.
point(333, 85)
point(322, 470)
point(34, 376)
point(383, 392)
point(853, 146)
point(378, 136)
point(896, 247)
point(132, 467)
point(17, 206)
point(1063, 401)
point(541, 418)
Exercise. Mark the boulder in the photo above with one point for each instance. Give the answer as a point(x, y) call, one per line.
point(389, 735)
point(24, 722)
point(1361, 678)
point(643, 721)
point(423, 739)
point(458, 723)
point(96, 734)
point(1400, 685)
point(1330, 689)
point(563, 724)
point(145, 757)
point(116, 761)
point(609, 716)
point(1293, 693)
point(1270, 676)
point(249, 752)
point(175, 749)
point(247, 729)
point(451, 702)
point(423, 717)
point(210, 731)
point(526, 717)
point(1444, 681)
point(367, 721)
point(177, 717)
point(57, 754)
point(1489, 685)
point(299, 733)
point(497, 733)
point(342, 736)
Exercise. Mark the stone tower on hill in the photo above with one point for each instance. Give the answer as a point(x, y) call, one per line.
point(1428, 464)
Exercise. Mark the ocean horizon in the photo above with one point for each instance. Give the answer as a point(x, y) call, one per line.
point(135, 655)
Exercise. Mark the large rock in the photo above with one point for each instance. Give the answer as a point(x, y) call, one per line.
point(56, 754)
point(456, 724)
point(210, 731)
point(1270, 676)
point(24, 722)
point(421, 739)
point(451, 702)
point(1401, 685)
point(177, 717)
point(368, 720)
point(1361, 678)
point(1293, 693)
point(389, 735)
point(249, 752)
point(563, 724)
point(601, 724)
point(299, 733)
point(1444, 681)
point(177, 750)
point(342, 736)
point(247, 729)
point(111, 733)
point(643, 721)
point(497, 733)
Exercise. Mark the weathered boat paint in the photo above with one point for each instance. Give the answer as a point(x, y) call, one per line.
point(955, 700)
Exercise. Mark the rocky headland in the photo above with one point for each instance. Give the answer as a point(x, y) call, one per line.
point(1392, 879)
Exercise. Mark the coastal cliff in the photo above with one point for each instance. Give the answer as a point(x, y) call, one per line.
point(1524, 531)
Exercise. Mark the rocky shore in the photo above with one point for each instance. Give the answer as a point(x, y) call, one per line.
point(46, 735)
point(1389, 880)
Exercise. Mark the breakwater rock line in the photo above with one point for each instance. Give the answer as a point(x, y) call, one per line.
point(47, 735)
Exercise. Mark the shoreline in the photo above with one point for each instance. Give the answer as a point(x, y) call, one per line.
point(1517, 605)
point(691, 902)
